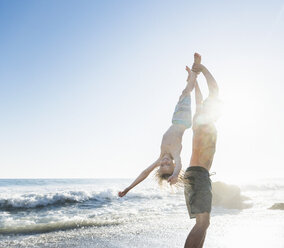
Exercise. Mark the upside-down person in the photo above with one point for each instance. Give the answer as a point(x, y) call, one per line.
point(169, 162)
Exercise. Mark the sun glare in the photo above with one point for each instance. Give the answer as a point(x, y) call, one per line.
point(239, 139)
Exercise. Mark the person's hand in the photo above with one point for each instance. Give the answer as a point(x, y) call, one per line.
point(187, 69)
point(172, 179)
point(197, 67)
point(123, 193)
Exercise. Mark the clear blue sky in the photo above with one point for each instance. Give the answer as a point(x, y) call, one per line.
point(87, 88)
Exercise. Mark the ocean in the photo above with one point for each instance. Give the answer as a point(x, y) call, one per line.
point(88, 213)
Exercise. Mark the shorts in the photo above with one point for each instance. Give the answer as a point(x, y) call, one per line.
point(197, 190)
point(182, 114)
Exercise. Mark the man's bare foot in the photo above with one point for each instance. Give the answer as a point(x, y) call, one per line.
point(197, 58)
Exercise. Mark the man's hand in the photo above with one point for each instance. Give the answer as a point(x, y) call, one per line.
point(123, 193)
point(187, 69)
point(172, 179)
point(197, 68)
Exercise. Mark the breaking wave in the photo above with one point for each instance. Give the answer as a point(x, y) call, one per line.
point(41, 200)
point(261, 187)
point(37, 200)
point(54, 226)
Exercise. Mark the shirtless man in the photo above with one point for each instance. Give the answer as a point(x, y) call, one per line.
point(197, 189)
point(169, 161)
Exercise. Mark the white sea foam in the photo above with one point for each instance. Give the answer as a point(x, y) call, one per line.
point(35, 200)
point(30, 228)
point(63, 197)
point(262, 187)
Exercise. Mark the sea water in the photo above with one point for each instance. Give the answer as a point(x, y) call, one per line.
point(88, 213)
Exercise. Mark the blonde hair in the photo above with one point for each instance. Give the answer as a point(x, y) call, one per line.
point(161, 178)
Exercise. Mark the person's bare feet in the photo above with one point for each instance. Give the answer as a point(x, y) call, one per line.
point(197, 63)
point(197, 58)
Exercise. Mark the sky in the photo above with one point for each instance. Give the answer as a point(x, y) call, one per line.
point(88, 88)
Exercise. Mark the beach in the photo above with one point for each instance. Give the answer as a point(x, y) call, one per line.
point(88, 213)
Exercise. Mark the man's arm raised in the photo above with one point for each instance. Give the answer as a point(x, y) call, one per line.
point(198, 97)
point(211, 82)
point(143, 175)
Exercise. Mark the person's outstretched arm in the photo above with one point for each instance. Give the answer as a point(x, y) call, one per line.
point(143, 175)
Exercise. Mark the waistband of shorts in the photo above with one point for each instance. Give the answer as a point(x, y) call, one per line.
point(198, 168)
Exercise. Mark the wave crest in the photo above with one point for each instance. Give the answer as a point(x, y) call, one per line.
point(41, 200)
point(37, 200)
point(55, 226)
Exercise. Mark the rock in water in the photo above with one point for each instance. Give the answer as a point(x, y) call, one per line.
point(278, 206)
point(228, 196)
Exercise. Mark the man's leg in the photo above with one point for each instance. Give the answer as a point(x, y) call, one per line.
point(196, 237)
point(202, 241)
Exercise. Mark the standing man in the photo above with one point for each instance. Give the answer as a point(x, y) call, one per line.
point(197, 190)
